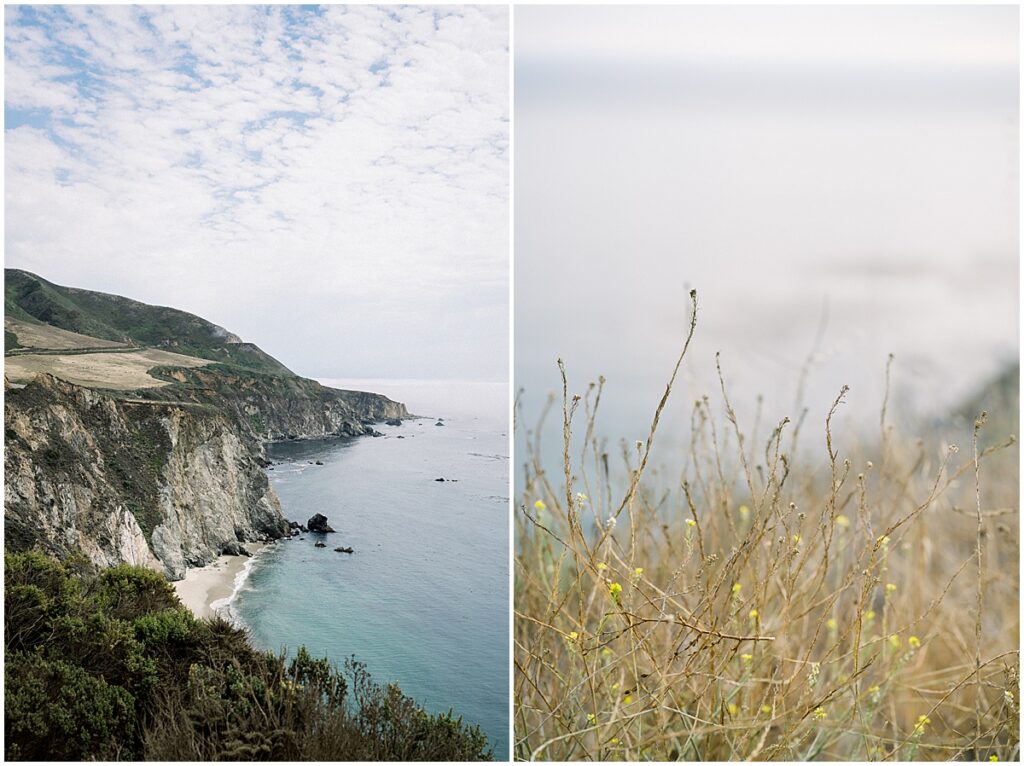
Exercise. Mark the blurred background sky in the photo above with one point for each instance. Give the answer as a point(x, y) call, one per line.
point(849, 168)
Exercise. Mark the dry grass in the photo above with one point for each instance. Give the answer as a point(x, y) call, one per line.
point(45, 336)
point(767, 603)
point(127, 370)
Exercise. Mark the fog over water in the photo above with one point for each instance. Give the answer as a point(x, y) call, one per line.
point(851, 172)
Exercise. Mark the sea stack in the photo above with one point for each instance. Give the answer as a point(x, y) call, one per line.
point(318, 523)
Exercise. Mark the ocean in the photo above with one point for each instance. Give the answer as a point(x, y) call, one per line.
point(424, 600)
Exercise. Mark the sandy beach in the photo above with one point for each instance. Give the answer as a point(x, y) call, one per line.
point(204, 585)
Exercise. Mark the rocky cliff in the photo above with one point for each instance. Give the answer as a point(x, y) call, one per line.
point(166, 475)
point(274, 407)
point(161, 484)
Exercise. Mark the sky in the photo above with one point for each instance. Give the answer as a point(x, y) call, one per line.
point(330, 183)
point(848, 173)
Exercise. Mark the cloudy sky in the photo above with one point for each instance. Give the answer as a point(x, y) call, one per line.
point(853, 169)
point(329, 183)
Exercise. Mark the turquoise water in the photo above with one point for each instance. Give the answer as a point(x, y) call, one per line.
point(424, 599)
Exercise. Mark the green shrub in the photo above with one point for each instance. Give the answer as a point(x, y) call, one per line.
point(169, 627)
point(55, 710)
point(111, 666)
point(129, 592)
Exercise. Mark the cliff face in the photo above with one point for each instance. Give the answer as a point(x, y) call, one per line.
point(274, 408)
point(158, 484)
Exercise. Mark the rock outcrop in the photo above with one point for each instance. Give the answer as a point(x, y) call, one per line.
point(165, 485)
point(318, 523)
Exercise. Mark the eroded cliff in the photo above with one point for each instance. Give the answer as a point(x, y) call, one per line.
point(273, 407)
point(161, 484)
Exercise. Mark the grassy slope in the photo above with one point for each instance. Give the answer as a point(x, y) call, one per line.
point(109, 370)
point(32, 335)
point(110, 317)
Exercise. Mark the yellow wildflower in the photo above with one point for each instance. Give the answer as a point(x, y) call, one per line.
point(615, 740)
point(832, 624)
point(615, 589)
point(691, 523)
point(914, 642)
point(602, 566)
point(731, 707)
point(591, 718)
point(922, 721)
point(895, 641)
point(627, 700)
point(746, 658)
point(573, 635)
point(753, 614)
point(638, 572)
point(890, 588)
point(843, 521)
point(819, 713)
point(993, 758)
point(869, 615)
point(540, 506)
point(797, 539)
point(744, 511)
point(766, 708)
point(736, 587)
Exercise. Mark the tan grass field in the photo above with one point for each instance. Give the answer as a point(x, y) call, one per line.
point(47, 337)
point(766, 601)
point(117, 370)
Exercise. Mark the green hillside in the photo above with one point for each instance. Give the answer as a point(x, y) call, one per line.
point(111, 317)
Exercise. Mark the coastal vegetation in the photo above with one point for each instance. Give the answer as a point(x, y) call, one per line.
point(108, 665)
point(135, 450)
point(788, 592)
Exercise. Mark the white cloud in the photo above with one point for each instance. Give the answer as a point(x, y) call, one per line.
point(246, 164)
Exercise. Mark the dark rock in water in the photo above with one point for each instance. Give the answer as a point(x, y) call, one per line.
point(234, 549)
point(439, 423)
point(319, 462)
point(375, 434)
point(320, 545)
point(318, 523)
point(344, 550)
point(302, 528)
point(393, 422)
point(302, 538)
point(440, 479)
point(293, 524)
point(398, 437)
